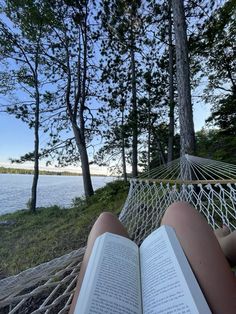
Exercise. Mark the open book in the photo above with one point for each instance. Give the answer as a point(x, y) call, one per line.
point(122, 278)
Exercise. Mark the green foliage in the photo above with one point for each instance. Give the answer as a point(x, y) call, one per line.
point(216, 44)
point(112, 189)
point(224, 116)
point(142, 79)
point(79, 202)
point(158, 149)
point(214, 144)
point(102, 195)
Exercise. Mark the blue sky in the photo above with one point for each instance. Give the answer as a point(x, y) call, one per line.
point(16, 138)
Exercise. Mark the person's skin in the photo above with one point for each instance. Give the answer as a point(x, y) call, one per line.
point(205, 256)
point(227, 241)
point(200, 246)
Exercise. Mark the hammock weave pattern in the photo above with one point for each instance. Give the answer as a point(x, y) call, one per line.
point(208, 185)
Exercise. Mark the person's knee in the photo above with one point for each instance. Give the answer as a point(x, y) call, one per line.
point(178, 211)
point(103, 222)
point(106, 217)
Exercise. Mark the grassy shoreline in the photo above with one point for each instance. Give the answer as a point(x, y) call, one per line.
point(34, 238)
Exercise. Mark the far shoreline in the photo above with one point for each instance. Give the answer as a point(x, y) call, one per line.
point(4, 170)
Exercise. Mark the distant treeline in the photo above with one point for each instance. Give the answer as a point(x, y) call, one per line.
point(41, 172)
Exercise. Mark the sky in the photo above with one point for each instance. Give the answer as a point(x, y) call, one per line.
point(16, 138)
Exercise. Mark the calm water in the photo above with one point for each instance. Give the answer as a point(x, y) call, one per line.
point(15, 190)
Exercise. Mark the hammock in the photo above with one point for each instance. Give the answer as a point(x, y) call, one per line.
point(208, 185)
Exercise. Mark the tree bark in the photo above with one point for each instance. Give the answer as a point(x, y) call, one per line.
point(76, 112)
point(134, 112)
point(161, 152)
point(187, 137)
point(88, 188)
point(36, 150)
point(123, 146)
point(149, 136)
point(171, 88)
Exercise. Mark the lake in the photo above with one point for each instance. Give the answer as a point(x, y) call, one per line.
point(15, 190)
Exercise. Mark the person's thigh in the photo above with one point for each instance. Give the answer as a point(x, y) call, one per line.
point(204, 255)
point(106, 222)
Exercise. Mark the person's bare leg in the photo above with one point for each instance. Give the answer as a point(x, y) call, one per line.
point(204, 255)
point(227, 241)
point(106, 222)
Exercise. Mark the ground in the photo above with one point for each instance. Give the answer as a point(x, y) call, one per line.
point(33, 238)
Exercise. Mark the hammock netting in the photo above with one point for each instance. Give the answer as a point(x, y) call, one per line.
point(210, 186)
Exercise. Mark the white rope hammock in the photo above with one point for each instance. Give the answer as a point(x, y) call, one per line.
point(209, 185)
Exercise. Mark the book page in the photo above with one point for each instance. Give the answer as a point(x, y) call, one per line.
point(112, 279)
point(168, 284)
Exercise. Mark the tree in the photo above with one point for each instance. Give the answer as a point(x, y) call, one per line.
point(67, 54)
point(115, 149)
point(213, 46)
point(213, 144)
point(171, 86)
point(122, 23)
point(113, 114)
point(132, 65)
point(69, 51)
point(218, 39)
point(159, 146)
point(115, 130)
point(24, 49)
point(183, 80)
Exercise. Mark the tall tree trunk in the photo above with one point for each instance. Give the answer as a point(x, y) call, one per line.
point(134, 112)
point(88, 188)
point(149, 136)
point(123, 146)
point(187, 137)
point(76, 112)
point(161, 152)
point(171, 88)
point(36, 151)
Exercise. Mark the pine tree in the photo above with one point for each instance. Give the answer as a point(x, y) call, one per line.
point(121, 22)
point(70, 52)
point(187, 137)
point(23, 48)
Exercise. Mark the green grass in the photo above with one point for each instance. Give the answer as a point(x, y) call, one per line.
point(51, 232)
